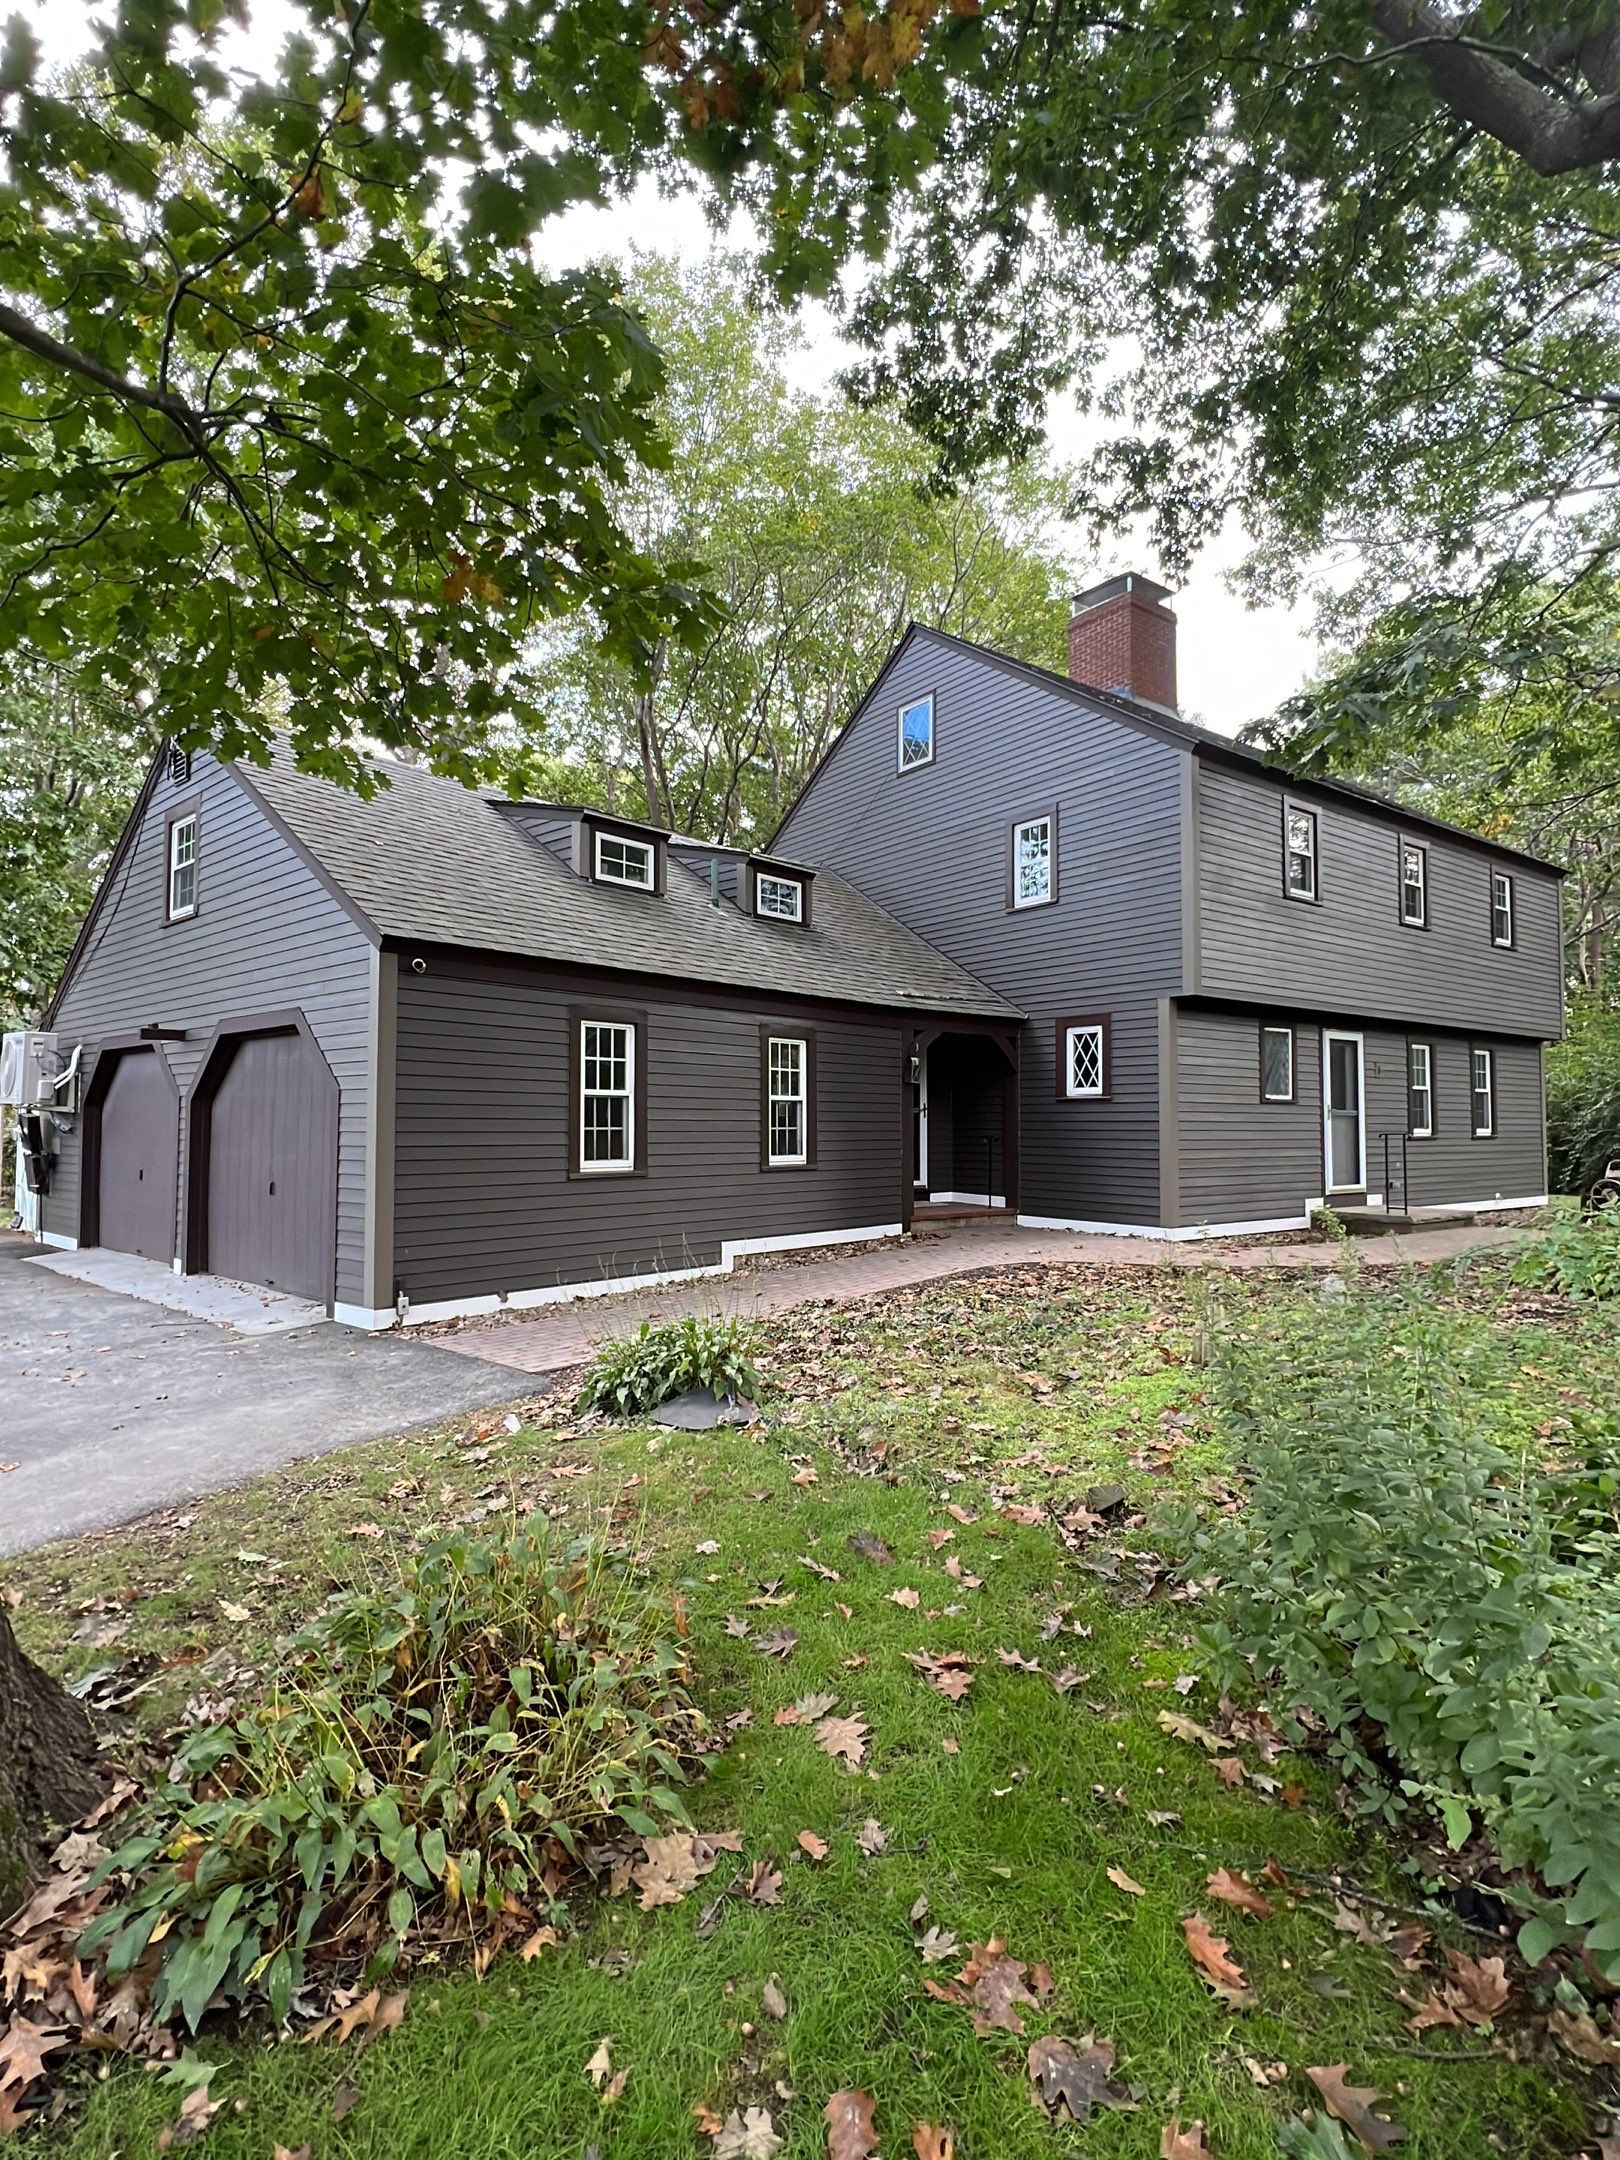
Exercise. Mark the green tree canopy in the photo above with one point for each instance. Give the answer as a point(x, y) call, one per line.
point(821, 541)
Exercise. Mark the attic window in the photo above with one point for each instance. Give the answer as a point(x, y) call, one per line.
point(619, 860)
point(182, 867)
point(917, 733)
point(779, 897)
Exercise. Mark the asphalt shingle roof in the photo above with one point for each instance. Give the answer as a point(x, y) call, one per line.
point(427, 858)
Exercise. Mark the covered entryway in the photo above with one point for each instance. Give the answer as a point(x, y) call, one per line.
point(264, 1163)
point(133, 1114)
point(964, 1116)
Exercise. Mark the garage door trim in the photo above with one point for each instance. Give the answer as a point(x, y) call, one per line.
point(110, 1051)
point(221, 1048)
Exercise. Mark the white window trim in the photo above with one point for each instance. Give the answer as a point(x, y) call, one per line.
point(611, 877)
point(795, 886)
point(1312, 854)
point(1419, 921)
point(1501, 877)
point(1083, 1094)
point(1426, 1130)
point(627, 1095)
point(902, 762)
point(1288, 1034)
point(1329, 1037)
point(188, 823)
point(1024, 825)
point(1487, 1131)
point(801, 1073)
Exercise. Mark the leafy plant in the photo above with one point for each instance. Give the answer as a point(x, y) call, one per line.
point(1419, 1587)
point(1577, 1254)
point(635, 1373)
point(433, 1746)
point(1328, 1223)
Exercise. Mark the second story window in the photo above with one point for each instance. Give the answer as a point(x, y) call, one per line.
point(781, 897)
point(182, 899)
point(619, 860)
point(1414, 885)
point(917, 733)
point(1034, 868)
point(1501, 908)
point(1299, 845)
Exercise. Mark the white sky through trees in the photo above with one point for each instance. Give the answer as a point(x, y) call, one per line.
point(1235, 663)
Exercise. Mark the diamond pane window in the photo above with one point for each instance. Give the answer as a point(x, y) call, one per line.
point(1085, 1062)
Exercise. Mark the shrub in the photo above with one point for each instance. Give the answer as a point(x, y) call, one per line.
point(431, 1748)
point(1410, 1579)
point(1577, 1254)
point(635, 1373)
point(1583, 1095)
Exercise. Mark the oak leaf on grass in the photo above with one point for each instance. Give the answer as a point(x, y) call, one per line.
point(1235, 1889)
point(1072, 2076)
point(1209, 1954)
point(1353, 2105)
point(851, 2131)
point(747, 2134)
point(1179, 2144)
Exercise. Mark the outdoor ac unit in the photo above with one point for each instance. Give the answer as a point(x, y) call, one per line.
point(27, 1065)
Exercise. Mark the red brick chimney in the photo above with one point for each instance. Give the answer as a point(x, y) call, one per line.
point(1122, 637)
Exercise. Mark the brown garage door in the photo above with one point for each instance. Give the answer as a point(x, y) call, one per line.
point(272, 1167)
point(140, 1134)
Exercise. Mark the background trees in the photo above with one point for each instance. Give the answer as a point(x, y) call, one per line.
point(819, 540)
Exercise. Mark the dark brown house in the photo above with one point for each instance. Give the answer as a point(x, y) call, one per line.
point(1021, 941)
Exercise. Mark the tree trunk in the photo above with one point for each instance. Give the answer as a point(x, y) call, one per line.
point(47, 1759)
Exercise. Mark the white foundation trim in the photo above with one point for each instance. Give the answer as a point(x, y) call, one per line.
point(1477, 1207)
point(59, 1239)
point(375, 1320)
point(1180, 1235)
point(967, 1199)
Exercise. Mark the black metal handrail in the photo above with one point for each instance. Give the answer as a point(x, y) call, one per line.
point(1403, 1135)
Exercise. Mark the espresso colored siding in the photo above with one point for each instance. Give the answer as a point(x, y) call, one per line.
point(1241, 1160)
point(484, 1202)
point(1349, 952)
point(931, 846)
point(266, 936)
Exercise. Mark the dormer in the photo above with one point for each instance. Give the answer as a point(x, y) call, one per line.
point(776, 891)
point(595, 844)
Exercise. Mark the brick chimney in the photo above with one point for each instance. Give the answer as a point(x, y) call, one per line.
point(1122, 637)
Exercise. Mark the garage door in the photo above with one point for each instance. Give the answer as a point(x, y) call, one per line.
point(272, 1167)
point(140, 1149)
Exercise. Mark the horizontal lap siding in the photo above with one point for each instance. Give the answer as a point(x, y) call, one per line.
point(266, 936)
point(1243, 1160)
point(1350, 953)
point(483, 1200)
point(931, 846)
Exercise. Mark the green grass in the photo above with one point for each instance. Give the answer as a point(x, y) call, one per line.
point(1030, 1386)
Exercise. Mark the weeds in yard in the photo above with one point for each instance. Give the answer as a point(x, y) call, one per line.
point(429, 1746)
point(1576, 1254)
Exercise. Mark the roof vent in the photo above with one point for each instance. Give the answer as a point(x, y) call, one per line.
point(179, 764)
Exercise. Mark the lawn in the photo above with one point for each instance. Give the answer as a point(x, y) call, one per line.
point(906, 1497)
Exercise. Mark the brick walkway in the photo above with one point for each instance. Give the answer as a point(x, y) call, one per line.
point(561, 1335)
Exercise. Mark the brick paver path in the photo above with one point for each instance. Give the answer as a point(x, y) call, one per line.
point(557, 1336)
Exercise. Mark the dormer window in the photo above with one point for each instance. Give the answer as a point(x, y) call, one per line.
point(782, 898)
point(182, 890)
point(617, 859)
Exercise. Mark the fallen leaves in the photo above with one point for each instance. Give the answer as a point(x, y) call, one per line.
point(1353, 2105)
point(1209, 1953)
point(871, 1836)
point(932, 2141)
point(814, 1846)
point(851, 2128)
point(747, 2134)
point(1239, 1891)
point(993, 1986)
point(1072, 2076)
point(1179, 2144)
point(844, 1739)
point(1580, 2033)
point(951, 1672)
point(672, 1867)
point(1128, 1883)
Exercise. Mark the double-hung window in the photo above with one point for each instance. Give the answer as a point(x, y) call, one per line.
point(1420, 1090)
point(1482, 1065)
point(1414, 885)
point(1034, 865)
point(916, 725)
point(780, 897)
point(1276, 1064)
point(1299, 852)
point(607, 1095)
point(620, 860)
point(787, 1101)
point(182, 867)
point(1085, 1058)
point(1501, 908)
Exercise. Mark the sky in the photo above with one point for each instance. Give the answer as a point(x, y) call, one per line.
point(1235, 663)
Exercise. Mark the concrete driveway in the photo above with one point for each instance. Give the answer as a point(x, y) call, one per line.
point(110, 1407)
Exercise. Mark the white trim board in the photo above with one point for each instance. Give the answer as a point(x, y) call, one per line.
point(965, 1199)
point(378, 1319)
point(59, 1239)
point(1177, 1235)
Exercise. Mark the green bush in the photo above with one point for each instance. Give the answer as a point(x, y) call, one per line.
point(635, 1373)
point(430, 1744)
point(1577, 1254)
point(1413, 1581)
point(1583, 1095)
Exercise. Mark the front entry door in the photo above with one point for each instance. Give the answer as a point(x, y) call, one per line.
point(1344, 1095)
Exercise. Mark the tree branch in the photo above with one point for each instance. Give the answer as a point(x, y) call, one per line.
point(43, 346)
